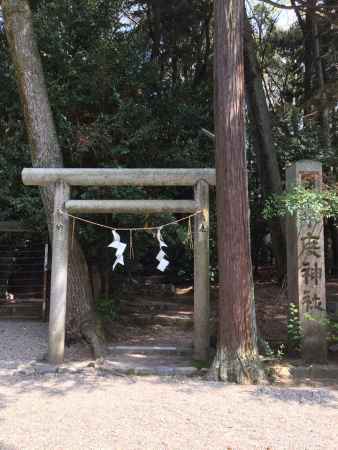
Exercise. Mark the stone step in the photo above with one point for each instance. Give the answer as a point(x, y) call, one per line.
point(107, 368)
point(150, 349)
point(18, 317)
point(162, 370)
point(153, 306)
point(21, 311)
point(150, 360)
point(180, 300)
point(182, 320)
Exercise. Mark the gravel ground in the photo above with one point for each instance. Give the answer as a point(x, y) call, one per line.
point(22, 341)
point(87, 411)
point(97, 413)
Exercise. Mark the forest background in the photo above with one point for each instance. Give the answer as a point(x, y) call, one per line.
point(131, 85)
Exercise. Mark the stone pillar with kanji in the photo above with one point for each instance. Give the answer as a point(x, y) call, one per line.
point(306, 266)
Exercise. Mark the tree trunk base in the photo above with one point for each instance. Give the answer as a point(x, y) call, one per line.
point(237, 367)
point(89, 332)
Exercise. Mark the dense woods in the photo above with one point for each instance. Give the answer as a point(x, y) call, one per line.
point(130, 84)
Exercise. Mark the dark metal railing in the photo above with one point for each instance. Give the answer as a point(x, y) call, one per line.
point(24, 275)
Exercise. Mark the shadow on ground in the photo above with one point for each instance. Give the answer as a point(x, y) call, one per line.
point(307, 396)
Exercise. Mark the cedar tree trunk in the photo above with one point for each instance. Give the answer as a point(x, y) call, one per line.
point(46, 152)
point(236, 358)
point(266, 156)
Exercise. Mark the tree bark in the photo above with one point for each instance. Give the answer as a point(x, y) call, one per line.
point(308, 60)
point(154, 19)
point(323, 104)
point(236, 357)
point(46, 152)
point(313, 62)
point(266, 156)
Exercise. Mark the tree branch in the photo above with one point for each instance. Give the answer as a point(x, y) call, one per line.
point(208, 134)
point(299, 16)
point(299, 7)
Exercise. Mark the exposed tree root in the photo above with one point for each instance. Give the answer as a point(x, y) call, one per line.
point(88, 330)
point(237, 367)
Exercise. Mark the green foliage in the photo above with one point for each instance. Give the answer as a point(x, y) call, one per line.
point(295, 333)
point(130, 85)
point(201, 364)
point(332, 328)
point(268, 351)
point(115, 105)
point(107, 309)
point(294, 329)
point(309, 205)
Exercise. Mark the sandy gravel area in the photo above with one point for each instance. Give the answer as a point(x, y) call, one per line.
point(91, 411)
point(83, 412)
point(22, 341)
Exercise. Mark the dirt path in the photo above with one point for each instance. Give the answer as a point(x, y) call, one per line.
point(97, 413)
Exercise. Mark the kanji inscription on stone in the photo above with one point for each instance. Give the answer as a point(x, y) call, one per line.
point(311, 273)
point(305, 264)
point(311, 301)
point(310, 245)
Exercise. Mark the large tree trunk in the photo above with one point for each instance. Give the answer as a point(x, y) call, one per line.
point(46, 152)
point(236, 357)
point(266, 156)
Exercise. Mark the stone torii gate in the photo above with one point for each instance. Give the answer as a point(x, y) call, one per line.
point(65, 178)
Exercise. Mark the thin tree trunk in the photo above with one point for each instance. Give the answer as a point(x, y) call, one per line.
point(323, 104)
point(46, 152)
point(313, 62)
point(267, 161)
point(154, 12)
point(236, 357)
point(308, 62)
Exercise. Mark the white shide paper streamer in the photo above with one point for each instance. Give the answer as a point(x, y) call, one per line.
point(161, 256)
point(120, 248)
